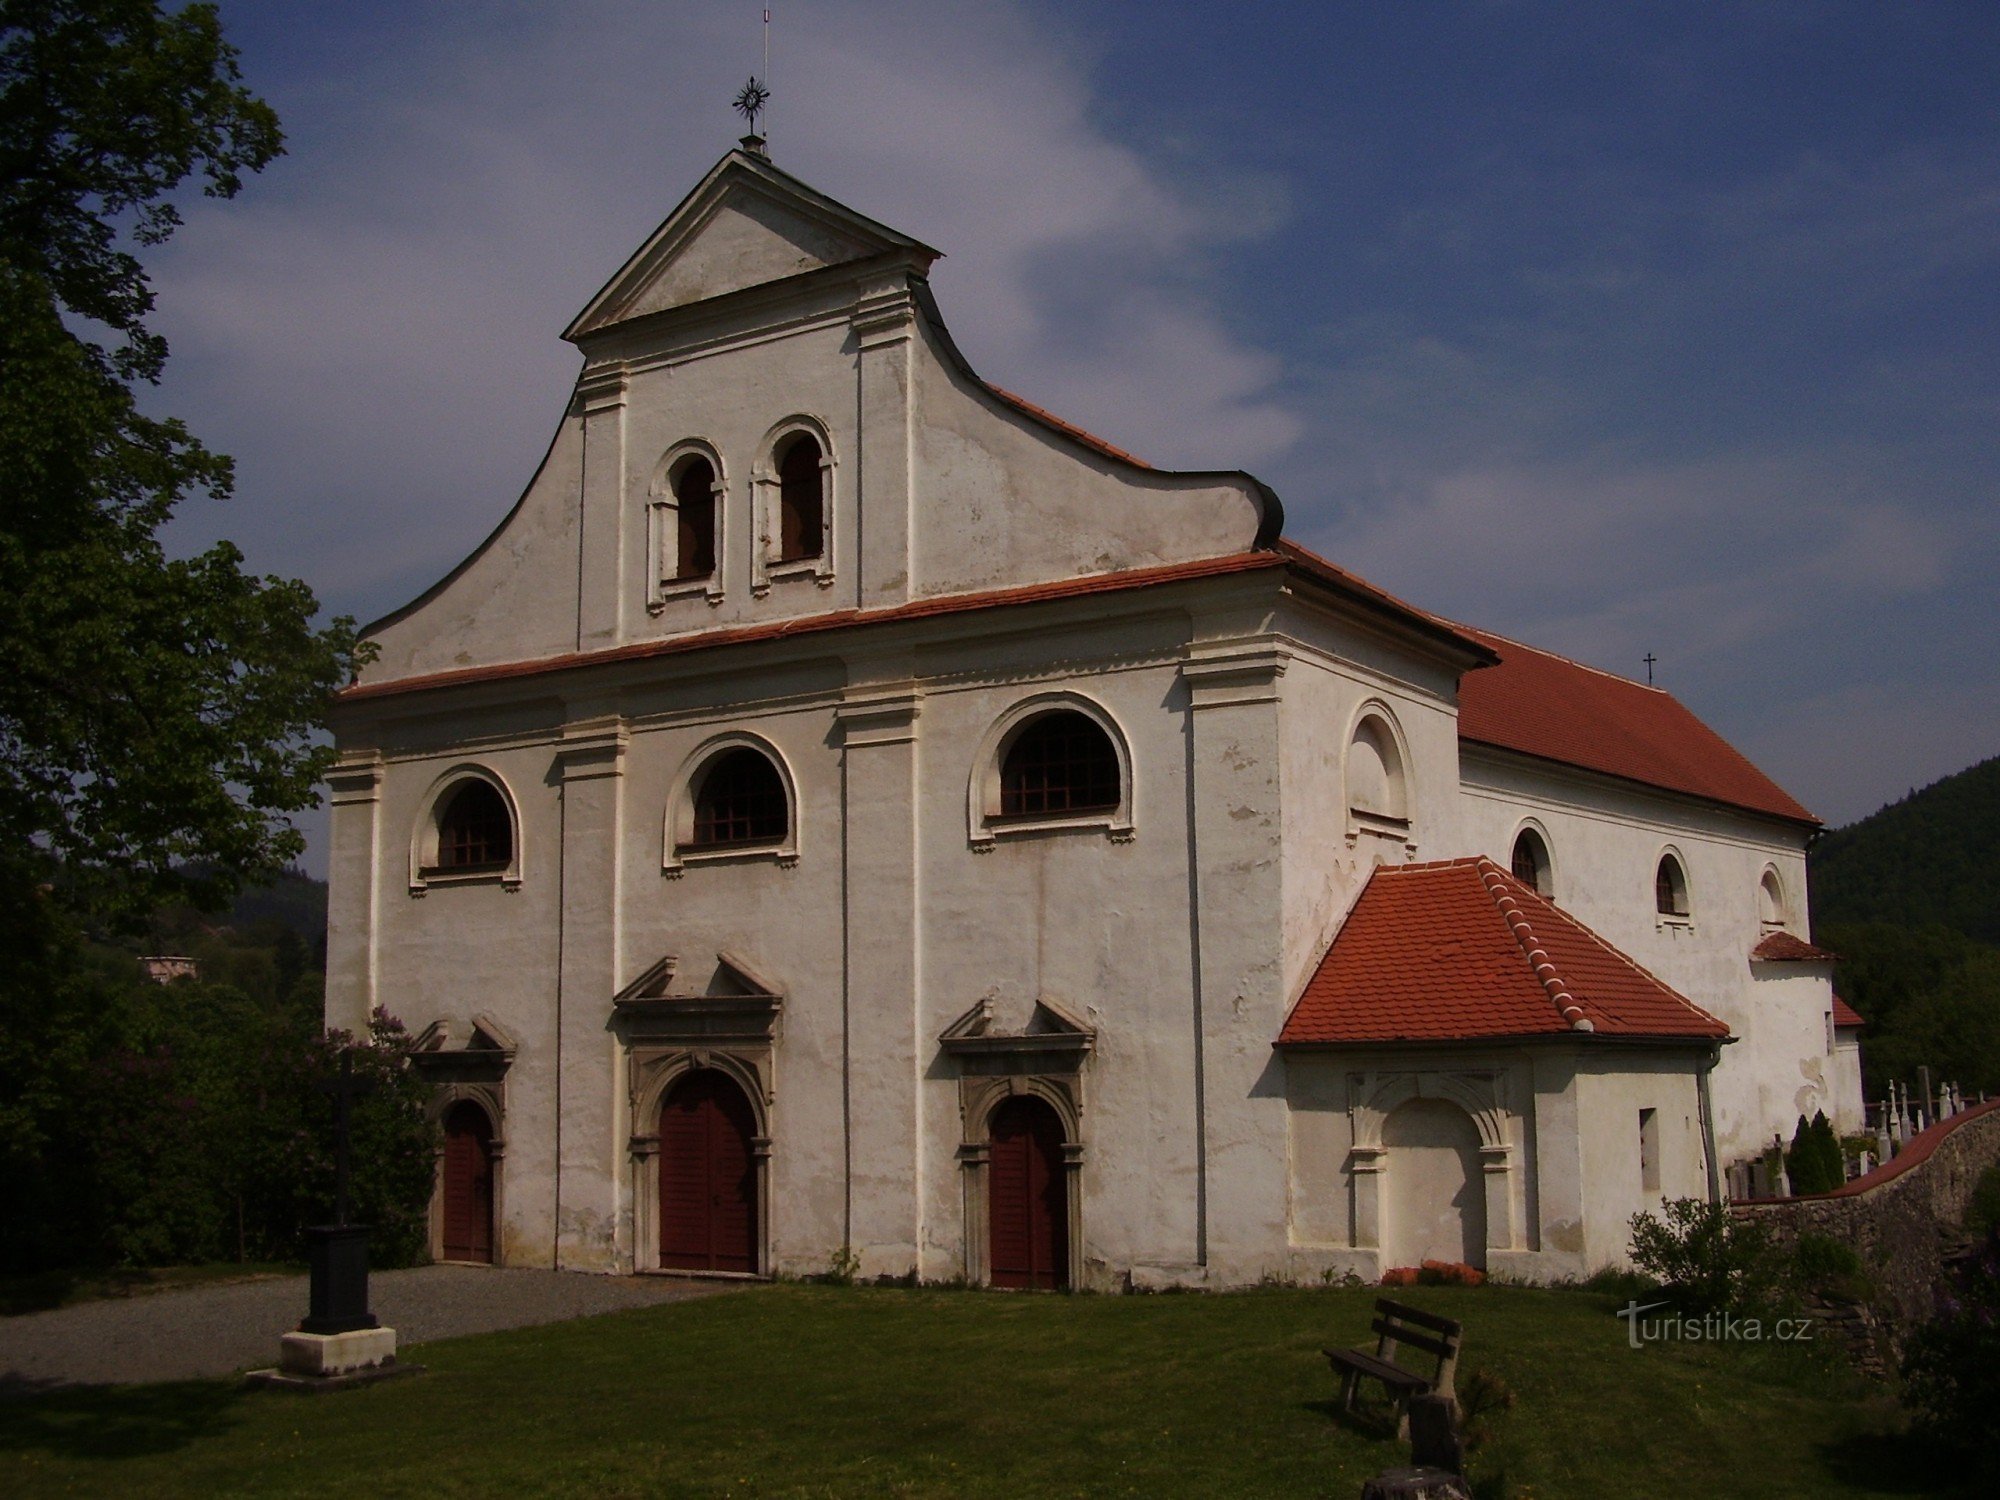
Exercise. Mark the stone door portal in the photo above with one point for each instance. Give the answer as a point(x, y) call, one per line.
point(708, 1186)
point(468, 1184)
point(1027, 1196)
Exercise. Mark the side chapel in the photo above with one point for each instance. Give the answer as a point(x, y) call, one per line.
point(844, 810)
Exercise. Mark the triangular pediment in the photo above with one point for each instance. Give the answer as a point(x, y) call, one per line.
point(747, 224)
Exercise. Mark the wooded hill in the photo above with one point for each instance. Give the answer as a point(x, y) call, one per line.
point(1924, 861)
point(1907, 900)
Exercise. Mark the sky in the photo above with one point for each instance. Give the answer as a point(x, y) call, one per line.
point(1616, 328)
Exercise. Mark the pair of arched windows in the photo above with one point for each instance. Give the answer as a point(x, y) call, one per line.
point(1534, 868)
point(798, 529)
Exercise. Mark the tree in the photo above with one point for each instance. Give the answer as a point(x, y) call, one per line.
point(154, 711)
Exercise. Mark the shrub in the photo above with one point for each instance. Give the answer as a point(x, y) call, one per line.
point(1820, 1263)
point(1814, 1162)
point(1951, 1374)
point(1449, 1273)
point(1703, 1259)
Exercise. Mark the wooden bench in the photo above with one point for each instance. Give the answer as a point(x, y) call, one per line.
point(1396, 1326)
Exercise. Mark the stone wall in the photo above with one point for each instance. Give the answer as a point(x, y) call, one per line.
point(1904, 1217)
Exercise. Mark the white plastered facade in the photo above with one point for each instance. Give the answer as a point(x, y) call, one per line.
point(958, 591)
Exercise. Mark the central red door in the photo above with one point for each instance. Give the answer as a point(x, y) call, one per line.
point(708, 1180)
point(1027, 1204)
point(468, 1184)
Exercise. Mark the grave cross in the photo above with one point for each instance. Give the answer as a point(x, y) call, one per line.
point(345, 1090)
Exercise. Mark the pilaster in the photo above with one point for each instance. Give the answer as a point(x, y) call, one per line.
point(881, 1060)
point(354, 878)
point(884, 323)
point(602, 604)
point(1233, 704)
point(592, 1216)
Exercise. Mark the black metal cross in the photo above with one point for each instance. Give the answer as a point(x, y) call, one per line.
point(345, 1090)
point(1649, 660)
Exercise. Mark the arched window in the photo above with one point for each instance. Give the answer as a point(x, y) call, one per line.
point(1670, 888)
point(1531, 862)
point(1376, 786)
point(475, 831)
point(801, 499)
point(739, 802)
point(1771, 900)
point(1060, 763)
point(694, 506)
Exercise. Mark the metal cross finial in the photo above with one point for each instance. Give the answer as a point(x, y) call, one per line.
point(750, 101)
point(1649, 660)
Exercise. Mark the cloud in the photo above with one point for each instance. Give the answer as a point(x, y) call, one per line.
point(371, 328)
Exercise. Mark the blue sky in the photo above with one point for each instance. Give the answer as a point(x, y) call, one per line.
point(1619, 328)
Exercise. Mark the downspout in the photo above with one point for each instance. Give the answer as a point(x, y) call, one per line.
point(1707, 1109)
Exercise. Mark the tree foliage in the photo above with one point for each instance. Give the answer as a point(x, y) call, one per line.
point(187, 1122)
point(1705, 1260)
point(153, 710)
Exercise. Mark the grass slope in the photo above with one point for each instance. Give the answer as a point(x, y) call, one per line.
point(1924, 860)
point(812, 1391)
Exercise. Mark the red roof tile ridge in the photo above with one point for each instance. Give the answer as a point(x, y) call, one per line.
point(1302, 553)
point(1496, 884)
point(1788, 948)
point(1627, 959)
point(1089, 439)
point(1482, 634)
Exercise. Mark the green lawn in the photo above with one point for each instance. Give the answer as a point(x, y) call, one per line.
point(822, 1391)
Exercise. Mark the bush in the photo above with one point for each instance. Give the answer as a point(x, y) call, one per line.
point(1951, 1374)
point(1704, 1260)
point(1830, 1267)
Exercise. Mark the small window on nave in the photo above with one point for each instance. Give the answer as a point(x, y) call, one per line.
point(475, 831)
point(694, 507)
point(739, 803)
point(1060, 763)
point(801, 500)
point(1531, 862)
point(1670, 888)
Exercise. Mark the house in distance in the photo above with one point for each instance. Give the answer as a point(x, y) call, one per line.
point(845, 811)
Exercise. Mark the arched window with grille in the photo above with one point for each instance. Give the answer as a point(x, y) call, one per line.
point(1670, 888)
point(1060, 763)
point(475, 830)
point(739, 802)
point(801, 499)
point(1531, 863)
point(469, 832)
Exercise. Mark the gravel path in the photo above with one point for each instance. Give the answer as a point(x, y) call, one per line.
point(214, 1330)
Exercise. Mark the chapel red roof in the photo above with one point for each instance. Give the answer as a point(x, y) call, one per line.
point(1845, 1014)
point(1460, 949)
point(1784, 948)
point(1537, 703)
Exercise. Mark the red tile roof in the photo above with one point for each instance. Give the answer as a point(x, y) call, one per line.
point(1459, 950)
point(1845, 1014)
point(1784, 948)
point(1536, 703)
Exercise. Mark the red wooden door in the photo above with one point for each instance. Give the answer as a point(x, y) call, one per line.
point(468, 1184)
point(708, 1180)
point(1027, 1203)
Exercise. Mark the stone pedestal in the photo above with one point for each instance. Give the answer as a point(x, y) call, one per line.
point(1416, 1484)
point(337, 1255)
point(322, 1354)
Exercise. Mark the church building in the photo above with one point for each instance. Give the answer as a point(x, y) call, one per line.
point(846, 815)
